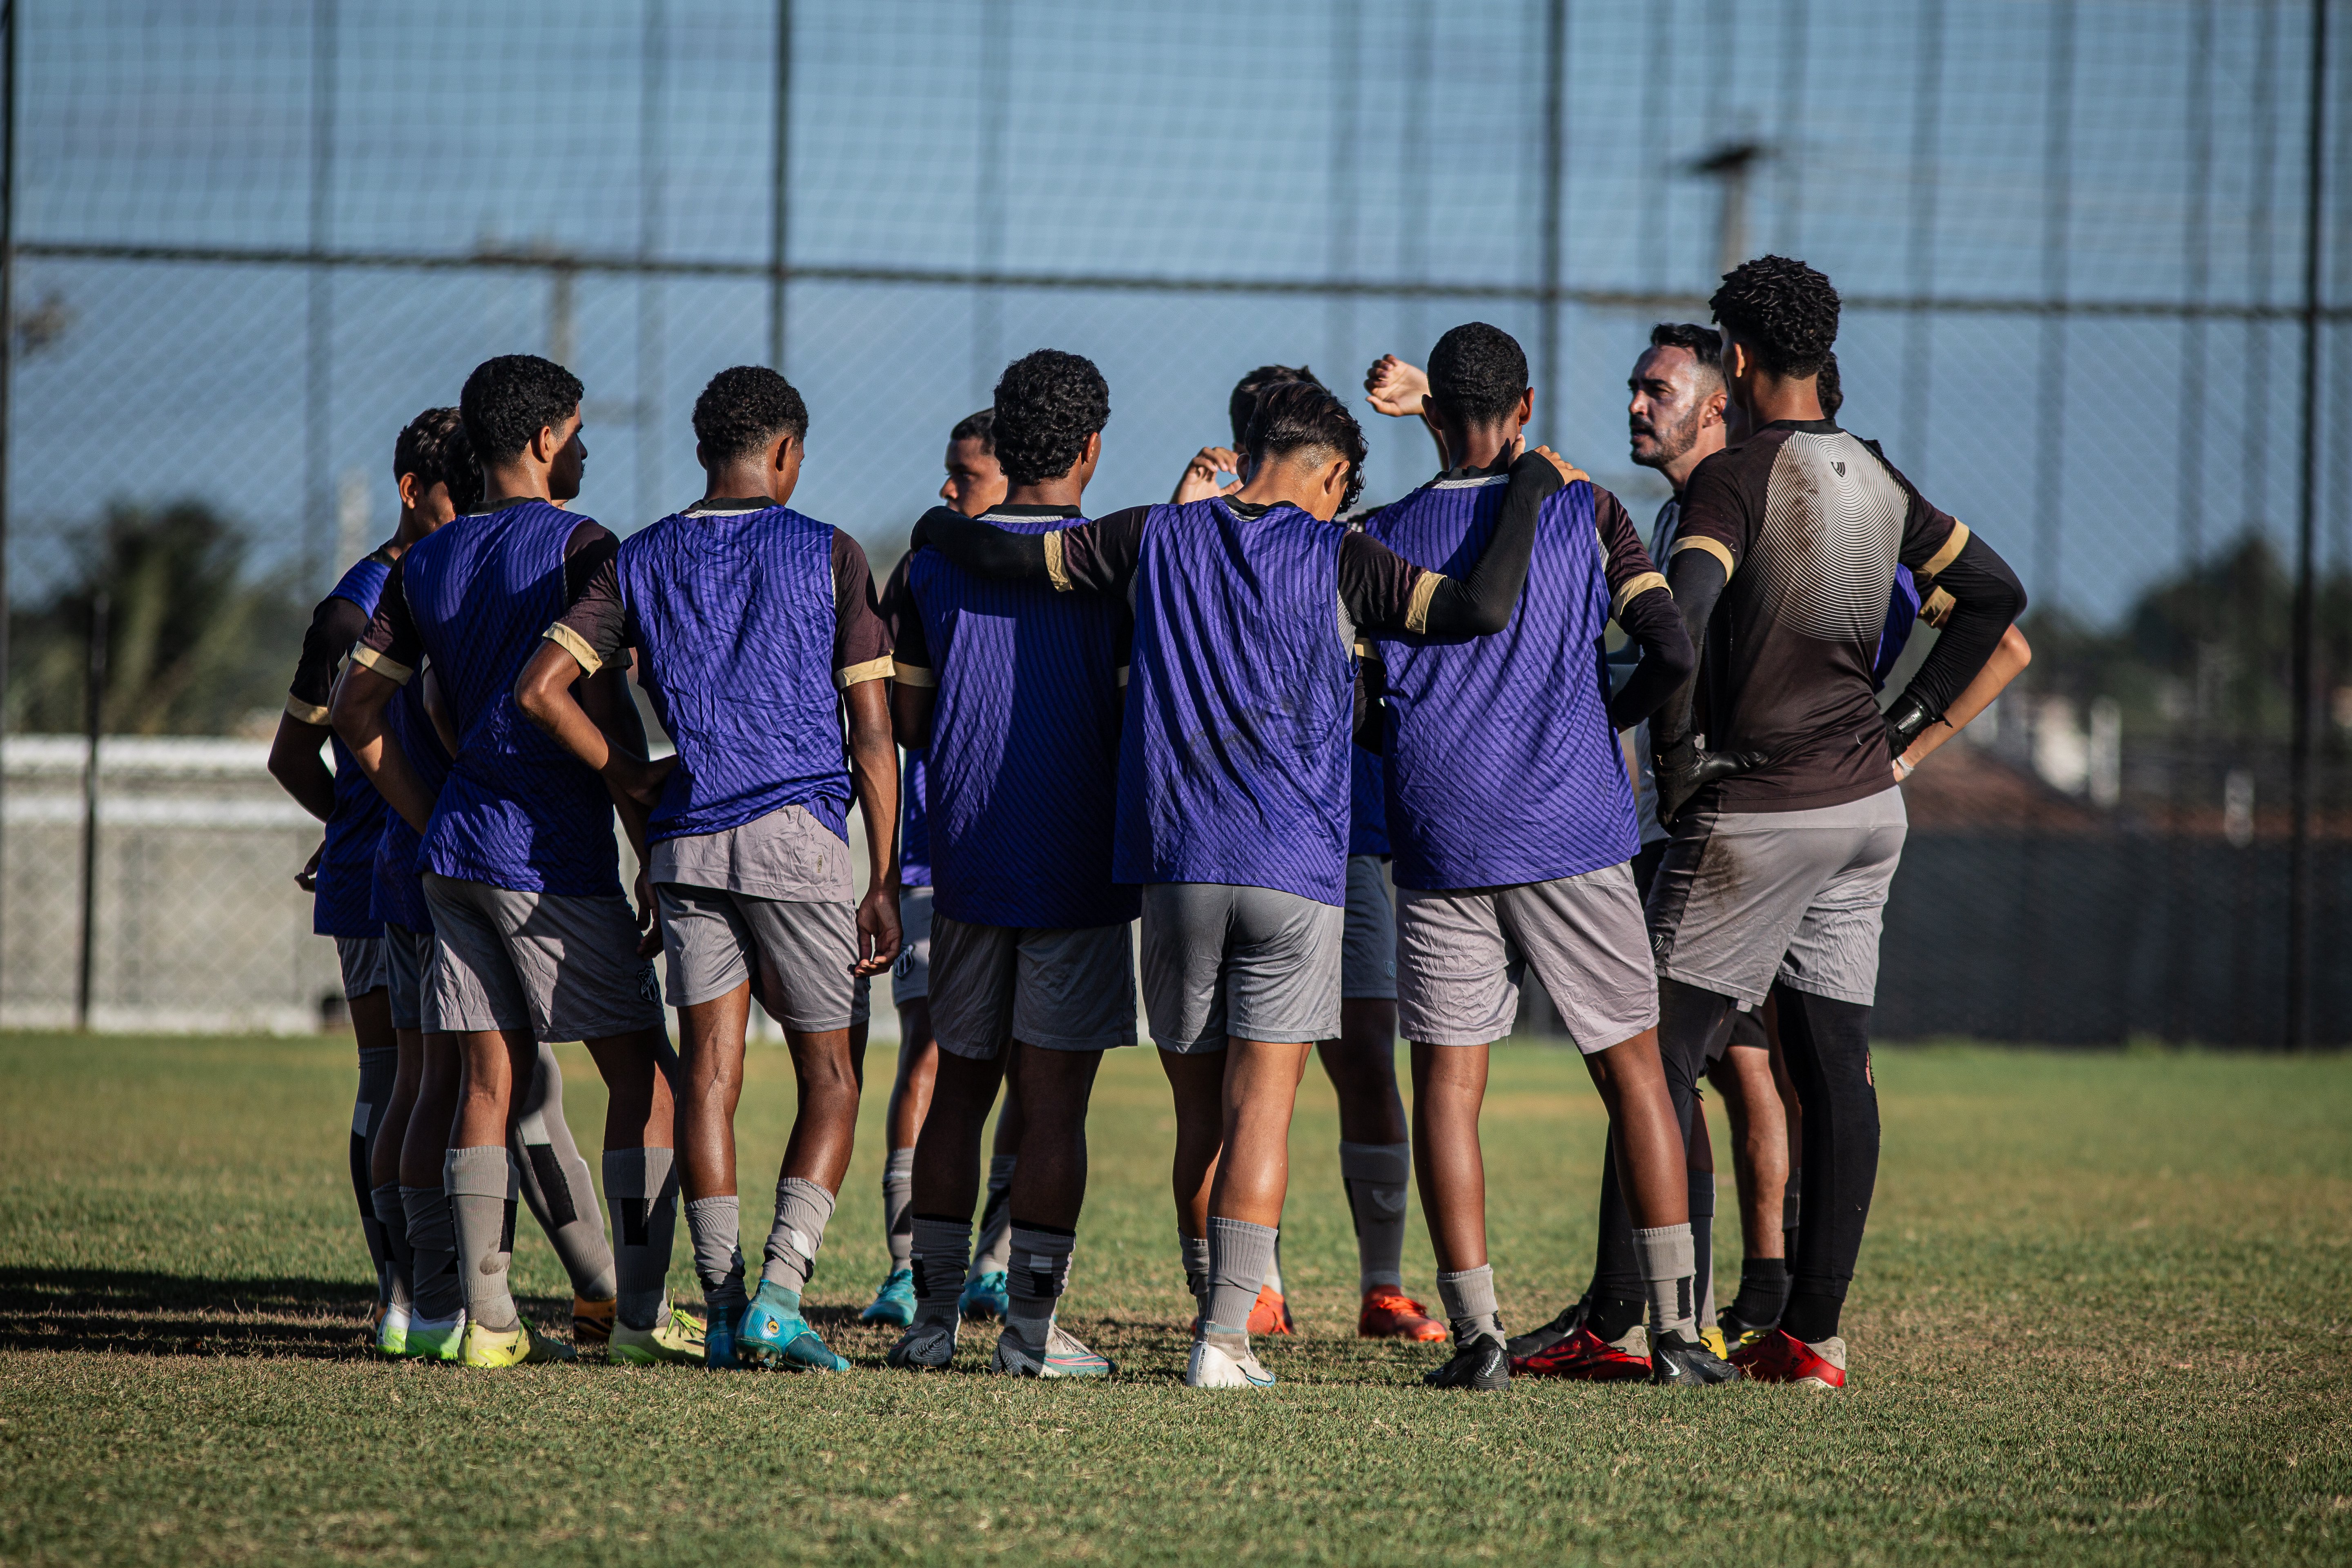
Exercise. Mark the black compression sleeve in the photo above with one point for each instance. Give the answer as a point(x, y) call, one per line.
point(1480, 603)
point(979, 548)
point(1667, 659)
point(1985, 597)
point(1697, 579)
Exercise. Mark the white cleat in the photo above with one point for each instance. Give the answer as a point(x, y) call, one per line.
point(1214, 1367)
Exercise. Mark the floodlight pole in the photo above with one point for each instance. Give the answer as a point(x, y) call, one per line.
point(7, 371)
point(781, 205)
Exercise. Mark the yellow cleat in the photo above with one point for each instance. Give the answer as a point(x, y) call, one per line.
point(1712, 1338)
point(676, 1340)
point(515, 1347)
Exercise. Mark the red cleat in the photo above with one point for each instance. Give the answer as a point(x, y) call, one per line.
point(1271, 1314)
point(1781, 1357)
point(1391, 1314)
point(1586, 1357)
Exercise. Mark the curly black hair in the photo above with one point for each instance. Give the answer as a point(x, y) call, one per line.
point(1788, 310)
point(1704, 344)
point(509, 400)
point(1244, 401)
point(461, 473)
point(1478, 372)
point(1048, 403)
point(745, 407)
point(1832, 393)
point(423, 446)
point(979, 428)
point(1304, 416)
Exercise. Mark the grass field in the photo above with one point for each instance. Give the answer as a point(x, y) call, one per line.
point(2102, 1317)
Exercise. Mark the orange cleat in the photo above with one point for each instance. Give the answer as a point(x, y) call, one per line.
point(1781, 1357)
point(1271, 1315)
point(1390, 1314)
point(592, 1322)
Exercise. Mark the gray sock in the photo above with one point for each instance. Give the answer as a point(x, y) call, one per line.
point(641, 1189)
point(995, 1218)
point(1273, 1279)
point(394, 1222)
point(1667, 1269)
point(941, 1248)
point(1239, 1255)
point(898, 1206)
point(803, 1208)
point(1196, 1270)
point(1376, 1176)
point(715, 1227)
point(1039, 1273)
point(1702, 1219)
point(378, 1067)
point(556, 1184)
point(1469, 1297)
point(432, 1243)
point(482, 1203)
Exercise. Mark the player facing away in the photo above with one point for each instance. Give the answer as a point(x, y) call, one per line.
point(1375, 1155)
point(1013, 691)
point(1233, 790)
point(974, 483)
point(755, 632)
point(342, 874)
point(532, 938)
point(1512, 824)
point(1776, 759)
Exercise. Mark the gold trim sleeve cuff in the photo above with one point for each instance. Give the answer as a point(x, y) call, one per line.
point(1635, 589)
point(575, 645)
point(1416, 611)
point(303, 712)
point(1954, 543)
point(1055, 569)
point(1714, 547)
point(913, 675)
point(383, 664)
point(1936, 608)
point(858, 674)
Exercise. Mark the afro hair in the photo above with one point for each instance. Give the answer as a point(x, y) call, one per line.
point(1788, 310)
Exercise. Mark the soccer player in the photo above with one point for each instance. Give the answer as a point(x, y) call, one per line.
point(1777, 758)
point(1233, 788)
point(974, 483)
point(1513, 820)
point(755, 632)
point(1375, 1153)
point(532, 938)
point(1013, 691)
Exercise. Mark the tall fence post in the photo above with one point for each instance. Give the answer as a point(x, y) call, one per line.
point(7, 375)
point(94, 719)
point(780, 210)
point(2298, 900)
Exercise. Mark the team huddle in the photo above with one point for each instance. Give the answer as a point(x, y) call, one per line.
point(1340, 773)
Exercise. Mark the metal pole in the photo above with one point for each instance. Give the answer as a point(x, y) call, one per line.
point(7, 366)
point(2298, 901)
point(320, 365)
point(779, 202)
point(94, 704)
point(1926, 123)
point(1555, 206)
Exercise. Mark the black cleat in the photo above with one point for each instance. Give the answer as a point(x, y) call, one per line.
point(1687, 1363)
point(1535, 1341)
point(1482, 1363)
point(1739, 1333)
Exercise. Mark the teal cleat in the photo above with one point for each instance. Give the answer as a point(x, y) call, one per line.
point(719, 1344)
point(775, 1334)
point(984, 1297)
point(894, 1303)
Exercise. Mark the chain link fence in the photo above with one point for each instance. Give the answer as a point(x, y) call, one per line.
point(2093, 254)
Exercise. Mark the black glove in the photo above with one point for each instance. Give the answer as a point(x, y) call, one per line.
point(1683, 769)
point(1904, 720)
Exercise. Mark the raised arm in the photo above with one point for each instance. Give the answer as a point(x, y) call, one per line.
point(1386, 592)
point(1092, 557)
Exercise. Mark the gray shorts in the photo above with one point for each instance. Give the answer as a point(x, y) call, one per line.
point(1067, 989)
point(1462, 951)
point(1248, 963)
point(407, 955)
point(561, 966)
point(1368, 951)
point(804, 951)
point(1745, 900)
point(362, 961)
point(910, 977)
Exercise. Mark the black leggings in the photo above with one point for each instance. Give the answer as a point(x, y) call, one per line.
point(1688, 1018)
point(1826, 1046)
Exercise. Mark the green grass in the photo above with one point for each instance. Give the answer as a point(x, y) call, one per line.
point(2101, 1316)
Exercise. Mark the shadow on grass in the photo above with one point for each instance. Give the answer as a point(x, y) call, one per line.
point(133, 1313)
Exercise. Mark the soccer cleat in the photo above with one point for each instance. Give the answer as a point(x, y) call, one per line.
point(718, 1345)
point(1585, 1357)
point(983, 1299)
point(676, 1340)
point(926, 1347)
point(775, 1334)
point(1211, 1366)
point(1391, 1314)
point(592, 1321)
point(894, 1303)
point(1270, 1314)
point(392, 1333)
point(1482, 1363)
point(1572, 1318)
point(516, 1346)
point(437, 1340)
point(1781, 1357)
point(1678, 1362)
point(1063, 1356)
point(1737, 1332)
point(1712, 1338)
